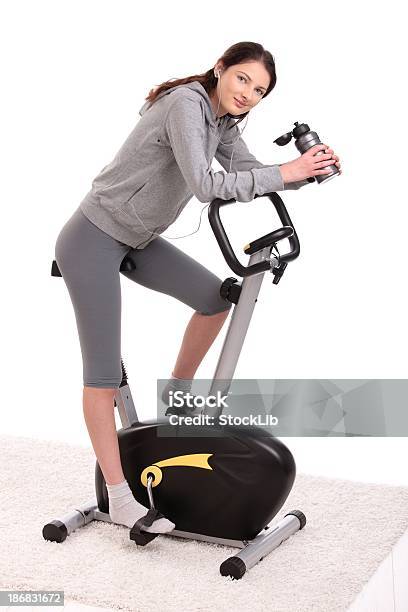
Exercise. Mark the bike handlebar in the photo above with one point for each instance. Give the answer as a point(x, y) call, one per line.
point(225, 245)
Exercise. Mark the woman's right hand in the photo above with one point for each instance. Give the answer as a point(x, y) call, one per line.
point(307, 165)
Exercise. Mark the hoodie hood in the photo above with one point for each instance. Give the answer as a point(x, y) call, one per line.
point(195, 86)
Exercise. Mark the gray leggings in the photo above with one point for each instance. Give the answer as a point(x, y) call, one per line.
point(89, 261)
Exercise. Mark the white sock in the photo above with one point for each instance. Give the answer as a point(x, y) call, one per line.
point(125, 510)
point(176, 384)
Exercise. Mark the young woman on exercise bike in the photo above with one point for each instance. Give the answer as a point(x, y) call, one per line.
point(164, 162)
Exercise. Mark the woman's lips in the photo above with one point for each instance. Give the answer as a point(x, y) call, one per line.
point(238, 103)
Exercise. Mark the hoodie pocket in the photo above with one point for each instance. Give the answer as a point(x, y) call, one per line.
point(133, 216)
point(138, 190)
point(126, 206)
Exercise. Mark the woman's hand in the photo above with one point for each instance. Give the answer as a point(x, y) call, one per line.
point(309, 164)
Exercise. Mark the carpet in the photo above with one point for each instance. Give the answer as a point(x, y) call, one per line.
point(351, 527)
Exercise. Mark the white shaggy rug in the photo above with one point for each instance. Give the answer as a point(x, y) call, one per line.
point(351, 527)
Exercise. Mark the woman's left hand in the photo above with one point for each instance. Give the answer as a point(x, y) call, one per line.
point(337, 162)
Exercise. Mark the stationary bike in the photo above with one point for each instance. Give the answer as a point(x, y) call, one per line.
point(223, 488)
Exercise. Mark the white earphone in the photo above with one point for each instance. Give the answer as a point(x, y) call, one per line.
point(217, 74)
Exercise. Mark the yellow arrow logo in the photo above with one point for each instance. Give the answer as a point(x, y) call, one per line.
point(198, 460)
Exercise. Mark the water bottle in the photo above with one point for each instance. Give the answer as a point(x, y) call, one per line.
point(304, 139)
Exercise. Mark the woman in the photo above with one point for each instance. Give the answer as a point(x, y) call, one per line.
point(165, 161)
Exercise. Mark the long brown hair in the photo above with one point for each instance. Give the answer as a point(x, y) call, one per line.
point(236, 54)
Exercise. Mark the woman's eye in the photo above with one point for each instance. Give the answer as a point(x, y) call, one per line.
point(241, 77)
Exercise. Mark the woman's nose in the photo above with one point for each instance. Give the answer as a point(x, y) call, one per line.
point(247, 95)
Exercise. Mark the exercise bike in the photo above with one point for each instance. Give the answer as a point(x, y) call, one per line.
point(224, 488)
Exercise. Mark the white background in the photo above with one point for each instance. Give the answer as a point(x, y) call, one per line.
point(75, 75)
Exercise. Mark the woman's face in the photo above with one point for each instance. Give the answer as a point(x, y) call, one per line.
point(245, 83)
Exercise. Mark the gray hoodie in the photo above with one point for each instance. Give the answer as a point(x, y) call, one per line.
point(166, 160)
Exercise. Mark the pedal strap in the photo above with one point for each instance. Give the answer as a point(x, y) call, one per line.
point(147, 520)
